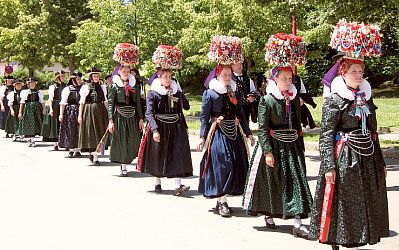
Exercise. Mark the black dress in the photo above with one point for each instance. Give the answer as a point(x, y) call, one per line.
point(171, 157)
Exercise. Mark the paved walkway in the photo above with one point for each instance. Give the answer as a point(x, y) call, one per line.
point(49, 202)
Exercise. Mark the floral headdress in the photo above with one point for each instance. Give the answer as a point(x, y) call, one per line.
point(226, 50)
point(285, 50)
point(168, 57)
point(126, 54)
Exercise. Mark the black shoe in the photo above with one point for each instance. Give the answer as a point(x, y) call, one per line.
point(335, 247)
point(224, 210)
point(77, 154)
point(158, 188)
point(182, 189)
point(123, 172)
point(96, 163)
point(7, 136)
point(270, 225)
point(70, 155)
point(91, 158)
point(55, 148)
point(298, 232)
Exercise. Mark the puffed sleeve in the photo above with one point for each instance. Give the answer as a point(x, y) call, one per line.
point(205, 113)
point(83, 92)
point(184, 102)
point(150, 110)
point(41, 96)
point(264, 117)
point(104, 88)
point(24, 95)
point(111, 101)
point(329, 122)
point(64, 96)
point(10, 98)
point(51, 92)
point(2, 91)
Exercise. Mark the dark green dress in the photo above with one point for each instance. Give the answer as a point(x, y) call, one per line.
point(51, 124)
point(359, 211)
point(281, 191)
point(31, 123)
point(13, 121)
point(95, 117)
point(125, 110)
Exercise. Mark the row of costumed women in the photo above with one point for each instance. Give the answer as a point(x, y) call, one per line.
point(350, 206)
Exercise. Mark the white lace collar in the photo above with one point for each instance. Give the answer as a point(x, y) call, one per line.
point(118, 81)
point(339, 87)
point(157, 86)
point(219, 87)
point(273, 89)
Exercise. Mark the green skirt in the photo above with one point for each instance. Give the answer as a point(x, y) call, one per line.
point(31, 123)
point(93, 126)
point(125, 140)
point(12, 121)
point(51, 124)
point(281, 191)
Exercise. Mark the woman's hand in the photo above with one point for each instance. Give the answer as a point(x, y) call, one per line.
point(20, 116)
point(330, 176)
point(61, 118)
point(252, 139)
point(270, 159)
point(141, 124)
point(51, 113)
point(219, 119)
point(200, 145)
point(12, 112)
point(111, 126)
point(156, 136)
point(80, 119)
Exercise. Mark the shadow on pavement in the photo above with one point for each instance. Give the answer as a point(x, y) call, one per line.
point(188, 194)
point(286, 229)
point(394, 188)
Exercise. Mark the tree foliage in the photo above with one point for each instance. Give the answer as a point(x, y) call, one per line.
point(83, 33)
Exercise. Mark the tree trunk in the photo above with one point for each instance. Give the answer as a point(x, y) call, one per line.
point(31, 71)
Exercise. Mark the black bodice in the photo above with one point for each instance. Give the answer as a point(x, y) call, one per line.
point(74, 95)
point(96, 94)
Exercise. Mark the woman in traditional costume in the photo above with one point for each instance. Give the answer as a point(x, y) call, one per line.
point(31, 111)
point(165, 149)
point(351, 206)
point(4, 109)
point(13, 102)
point(69, 113)
point(224, 129)
point(93, 117)
point(276, 183)
point(51, 123)
point(124, 109)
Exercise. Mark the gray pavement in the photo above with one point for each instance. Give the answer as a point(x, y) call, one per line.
point(49, 202)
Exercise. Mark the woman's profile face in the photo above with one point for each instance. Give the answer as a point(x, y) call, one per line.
point(124, 73)
point(284, 80)
point(225, 76)
point(354, 75)
point(18, 86)
point(95, 77)
point(166, 78)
